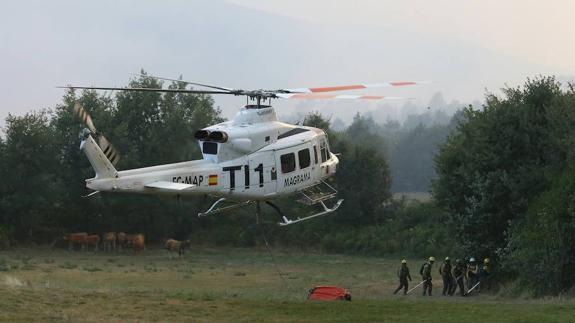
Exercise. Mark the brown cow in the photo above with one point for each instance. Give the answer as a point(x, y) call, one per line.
point(121, 239)
point(139, 243)
point(130, 239)
point(174, 245)
point(91, 240)
point(109, 239)
point(75, 238)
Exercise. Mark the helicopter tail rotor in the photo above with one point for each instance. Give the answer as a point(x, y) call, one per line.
point(84, 116)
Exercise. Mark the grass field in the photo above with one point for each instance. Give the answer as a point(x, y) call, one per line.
point(233, 285)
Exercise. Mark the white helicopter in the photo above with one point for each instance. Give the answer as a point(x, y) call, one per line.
point(251, 159)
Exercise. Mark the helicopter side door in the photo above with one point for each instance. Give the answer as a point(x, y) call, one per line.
point(295, 168)
point(315, 160)
point(263, 173)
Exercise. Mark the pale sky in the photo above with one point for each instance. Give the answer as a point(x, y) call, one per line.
point(537, 31)
point(462, 47)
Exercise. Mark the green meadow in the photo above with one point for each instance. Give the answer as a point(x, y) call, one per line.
point(236, 285)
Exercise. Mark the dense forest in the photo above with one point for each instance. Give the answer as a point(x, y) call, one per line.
point(502, 179)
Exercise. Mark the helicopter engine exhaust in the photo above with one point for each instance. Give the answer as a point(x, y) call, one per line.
point(218, 136)
point(202, 135)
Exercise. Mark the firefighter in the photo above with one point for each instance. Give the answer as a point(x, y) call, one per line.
point(425, 272)
point(484, 274)
point(445, 272)
point(458, 275)
point(403, 274)
point(472, 273)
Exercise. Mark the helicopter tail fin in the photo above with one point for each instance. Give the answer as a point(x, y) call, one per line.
point(101, 164)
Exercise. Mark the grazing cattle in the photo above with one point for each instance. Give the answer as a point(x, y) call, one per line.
point(130, 239)
point(139, 243)
point(174, 245)
point(109, 241)
point(91, 240)
point(75, 239)
point(121, 239)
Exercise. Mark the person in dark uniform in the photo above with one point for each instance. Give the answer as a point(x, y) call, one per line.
point(458, 275)
point(403, 274)
point(484, 273)
point(445, 272)
point(472, 273)
point(426, 276)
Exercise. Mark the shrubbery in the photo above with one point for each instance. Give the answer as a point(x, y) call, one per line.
point(542, 245)
point(414, 229)
point(504, 177)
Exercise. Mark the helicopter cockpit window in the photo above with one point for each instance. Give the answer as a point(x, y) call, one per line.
point(304, 158)
point(210, 148)
point(288, 163)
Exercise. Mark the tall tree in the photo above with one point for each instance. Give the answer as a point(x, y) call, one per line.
point(496, 162)
point(363, 178)
point(43, 169)
point(30, 192)
point(542, 245)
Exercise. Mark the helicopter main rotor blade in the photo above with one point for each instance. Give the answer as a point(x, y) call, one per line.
point(187, 82)
point(142, 89)
point(84, 116)
point(315, 96)
point(348, 87)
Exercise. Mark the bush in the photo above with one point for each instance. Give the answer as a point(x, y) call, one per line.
point(542, 246)
point(416, 229)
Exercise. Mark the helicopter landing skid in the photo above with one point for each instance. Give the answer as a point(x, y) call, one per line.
point(325, 211)
point(214, 209)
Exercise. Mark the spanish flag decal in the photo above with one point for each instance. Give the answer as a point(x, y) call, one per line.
point(213, 180)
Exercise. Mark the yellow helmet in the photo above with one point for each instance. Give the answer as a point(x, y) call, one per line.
point(486, 260)
point(404, 261)
point(431, 258)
